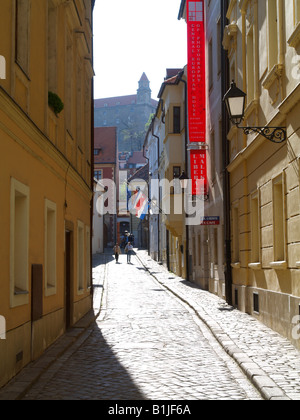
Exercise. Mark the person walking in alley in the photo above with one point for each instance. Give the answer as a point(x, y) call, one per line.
point(117, 252)
point(129, 251)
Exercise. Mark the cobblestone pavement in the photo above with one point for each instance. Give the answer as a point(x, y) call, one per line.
point(159, 337)
point(146, 345)
point(269, 360)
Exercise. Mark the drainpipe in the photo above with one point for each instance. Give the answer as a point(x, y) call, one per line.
point(186, 166)
point(225, 147)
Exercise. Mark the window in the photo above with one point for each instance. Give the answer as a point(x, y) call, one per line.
point(297, 11)
point(19, 243)
point(98, 175)
point(210, 64)
point(176, 119)
point(79, 102)
point(199, 249)
point(212, 152)
point(22, 34)
point(278, 219)
point(2, 67)
point(68, 84)
point(196, 11)
point(50, 248)
point(215, 253)
point(256, 303)
point(236, 234)
point(52, 47)
point(80, 256)
point(250, 66)
point(255, 229)
point(176, 171)
point(272, 33)
point(219, 48)
point(88, 256)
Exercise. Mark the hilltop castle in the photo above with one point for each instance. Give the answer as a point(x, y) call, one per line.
point(129, 114)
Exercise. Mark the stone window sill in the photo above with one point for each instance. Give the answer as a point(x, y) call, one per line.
point(274, 74)
point(294, 39)
point(236, 265)
point(255, 266)
point(278, 265)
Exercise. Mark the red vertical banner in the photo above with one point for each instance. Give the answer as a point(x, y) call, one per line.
point(197, 87)
point(199, 172)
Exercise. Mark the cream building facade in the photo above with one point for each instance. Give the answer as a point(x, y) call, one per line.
point(46, 183)
point(263, 43)
point(165, 146)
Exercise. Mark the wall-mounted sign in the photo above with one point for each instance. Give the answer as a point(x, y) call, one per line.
point(198, 172)
point(210, 221)
point(196, 71)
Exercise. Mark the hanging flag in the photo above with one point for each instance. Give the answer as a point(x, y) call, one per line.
point(133, 199)
point(143, 211)
point(140, 205)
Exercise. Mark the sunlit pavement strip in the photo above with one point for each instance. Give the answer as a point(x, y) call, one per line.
point(269, 360)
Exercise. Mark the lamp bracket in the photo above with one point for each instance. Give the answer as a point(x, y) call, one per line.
point(274, 134)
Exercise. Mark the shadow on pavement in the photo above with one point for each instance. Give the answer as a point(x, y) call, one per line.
point(93, 372)
point(101, 259)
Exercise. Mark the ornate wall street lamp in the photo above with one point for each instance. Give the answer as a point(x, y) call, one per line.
point(235, 100)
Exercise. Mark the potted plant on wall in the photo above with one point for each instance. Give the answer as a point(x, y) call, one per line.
point(55, 103)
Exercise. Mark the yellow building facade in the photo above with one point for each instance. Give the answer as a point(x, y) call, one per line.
point(45, 170)
point(263, 43)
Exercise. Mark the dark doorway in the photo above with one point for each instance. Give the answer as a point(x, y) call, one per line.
point(68, 278)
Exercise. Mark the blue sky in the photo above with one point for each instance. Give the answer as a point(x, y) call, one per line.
point(136, 36)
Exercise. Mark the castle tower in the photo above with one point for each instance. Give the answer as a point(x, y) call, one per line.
point(144, 91)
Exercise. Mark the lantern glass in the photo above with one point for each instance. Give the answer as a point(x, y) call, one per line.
point(235, 100)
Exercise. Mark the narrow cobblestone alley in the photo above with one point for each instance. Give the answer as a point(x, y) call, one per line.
point(146, 345)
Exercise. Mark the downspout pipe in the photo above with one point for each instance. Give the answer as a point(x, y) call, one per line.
point(226, 161)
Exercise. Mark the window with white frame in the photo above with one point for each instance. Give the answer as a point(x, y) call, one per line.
point(19, 243)
point(255, 229)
